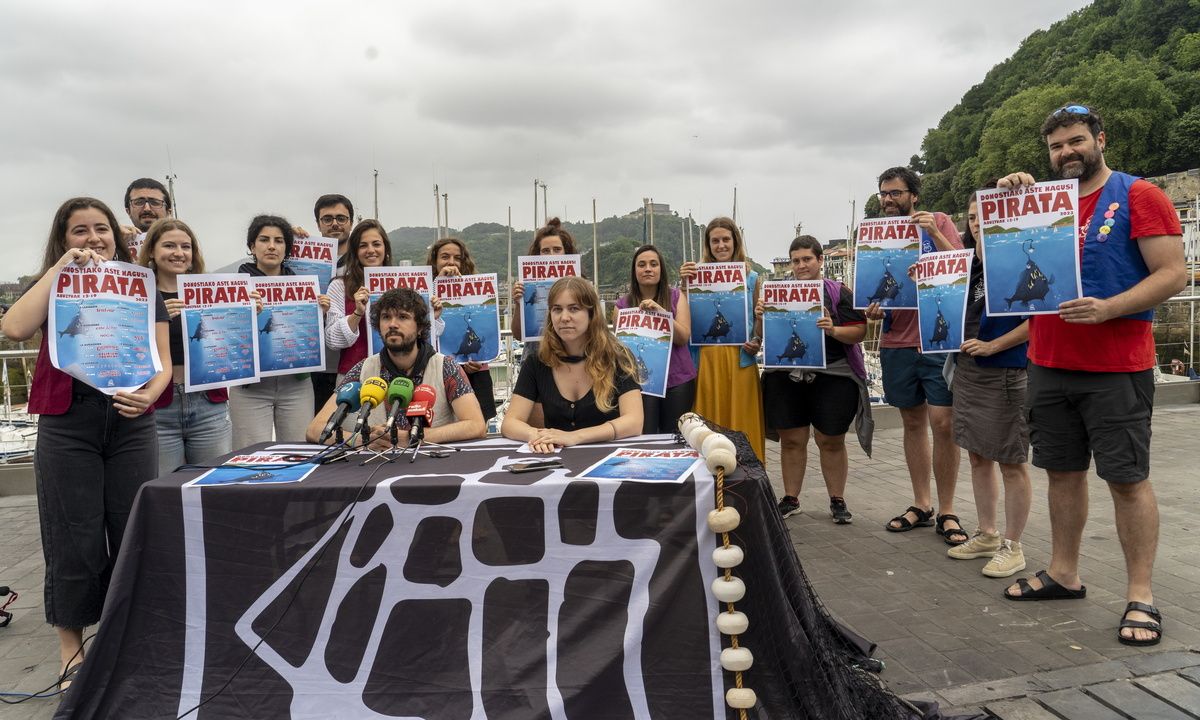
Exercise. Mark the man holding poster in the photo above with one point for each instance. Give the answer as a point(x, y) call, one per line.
point(913, 382)
point(1091, 383)
point(827, 399)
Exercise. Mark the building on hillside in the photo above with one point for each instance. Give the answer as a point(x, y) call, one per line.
point(1184, 190)
point(654, 208)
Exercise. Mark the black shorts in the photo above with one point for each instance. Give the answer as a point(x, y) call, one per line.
point(481, 383)
point(1075, 415)
point(828, 403)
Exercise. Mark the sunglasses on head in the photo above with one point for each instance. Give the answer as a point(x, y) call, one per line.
point(1073, 110)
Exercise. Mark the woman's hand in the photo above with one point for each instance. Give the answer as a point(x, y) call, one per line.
point(979, 348)
point(323, 301)
point(258, 303)
point(79, 256)
point(687, 271)
point(518, 291)
point(436, 302)
point(174, 307)
point(133, 404)
point(652, 306)
point(551, 438)
point(361, 296)
point(450, 270)
point(759, 309)
point(825, 323)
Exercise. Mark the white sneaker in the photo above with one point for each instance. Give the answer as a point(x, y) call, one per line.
point(981, 545)
point(1008, 559)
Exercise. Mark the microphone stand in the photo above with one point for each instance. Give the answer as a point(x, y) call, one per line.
point(439, 450)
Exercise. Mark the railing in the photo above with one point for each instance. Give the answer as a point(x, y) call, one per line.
point(18, 362)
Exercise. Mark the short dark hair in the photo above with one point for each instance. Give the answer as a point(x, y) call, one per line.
point(806, 242)
point(401, 299)
point(552, 228)
point(329, 201)
point(265, 221)
point(910, 178)
point(148, 184)
point(1073, 114)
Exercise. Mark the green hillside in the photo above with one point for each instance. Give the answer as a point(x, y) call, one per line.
point(1136, 62)
point(617, 237)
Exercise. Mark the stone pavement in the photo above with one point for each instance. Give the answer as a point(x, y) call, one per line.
point(943, 630)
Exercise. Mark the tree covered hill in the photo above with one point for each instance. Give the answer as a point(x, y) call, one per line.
point(617, 238)
point(1136, 62)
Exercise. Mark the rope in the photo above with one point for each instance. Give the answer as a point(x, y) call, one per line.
point(733, 639)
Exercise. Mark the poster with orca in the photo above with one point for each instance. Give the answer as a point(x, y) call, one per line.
point(537, 273)
point(314, 256)
point(471, 313)
point(379, 280)
point(101, 325)
point(291, 326)
point(717, 299)
point(942, 279)
point(884, 251)
point(647, 334)
point(220, 342)
point(791, 338)
point(1030, 247)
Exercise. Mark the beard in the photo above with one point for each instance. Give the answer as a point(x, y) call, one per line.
point(897, 208)
point(400, 344)
point(1080, 165)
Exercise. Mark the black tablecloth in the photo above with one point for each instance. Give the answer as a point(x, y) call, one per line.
point(447, 585)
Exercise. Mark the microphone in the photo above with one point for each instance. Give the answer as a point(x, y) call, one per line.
point(373, 391)
point(420, 412)
point(347, 402)
point(399, 394)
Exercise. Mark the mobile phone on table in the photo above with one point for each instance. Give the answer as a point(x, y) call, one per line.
point(534, 465)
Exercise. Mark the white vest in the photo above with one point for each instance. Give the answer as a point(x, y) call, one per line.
point(442, 413)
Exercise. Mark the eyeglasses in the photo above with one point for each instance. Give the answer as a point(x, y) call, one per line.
point(1073, 110)
point(331, 219)
point(144, 201)
point(893, 194)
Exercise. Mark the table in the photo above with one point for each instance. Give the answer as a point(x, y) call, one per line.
point(450, 588)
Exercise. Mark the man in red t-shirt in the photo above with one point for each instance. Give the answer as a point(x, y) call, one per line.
point(1091, 384)
point(912, 382)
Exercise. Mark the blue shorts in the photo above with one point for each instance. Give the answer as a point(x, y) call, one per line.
point(911, 379)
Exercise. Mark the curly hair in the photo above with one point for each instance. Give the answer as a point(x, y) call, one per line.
point(605, 354)
point(1072, 114)
point(403, 299)
point(260, 222)
point(154, 234)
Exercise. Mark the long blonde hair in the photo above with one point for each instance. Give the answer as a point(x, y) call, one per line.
point(605, 354)
point(154, 234)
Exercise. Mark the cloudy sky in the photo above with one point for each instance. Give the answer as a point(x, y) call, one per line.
point(262, 106)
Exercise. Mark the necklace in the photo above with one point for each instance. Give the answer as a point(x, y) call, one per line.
point(573, 359)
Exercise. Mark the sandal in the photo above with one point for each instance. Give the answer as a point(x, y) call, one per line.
point(924, 519)
point(1155, 625)
point(1050, 590)
point(960, 535)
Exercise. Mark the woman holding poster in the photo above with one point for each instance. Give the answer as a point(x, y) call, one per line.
point(550, 239)
point(449, 257)
point(345, 329)
point(193, 427)
point(727, 387)
point(989, 420)
point(649, 290)
point(277, 407)
point(584, 378)
point(94, 450)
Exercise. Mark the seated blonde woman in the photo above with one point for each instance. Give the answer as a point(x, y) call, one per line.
point(584, 378)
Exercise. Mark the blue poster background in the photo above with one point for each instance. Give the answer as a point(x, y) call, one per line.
point(472, 331)
point(779, 347)
point(1030, 270)
point(322, 270)
point(533, 308)
point(629, 468)
point(718, 318)
point(870, 268)
point(220, 345)
point(103, 342)
point(941, 313)
point(289, 339)
point(651, 358)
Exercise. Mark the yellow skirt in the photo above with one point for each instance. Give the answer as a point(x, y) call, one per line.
point(730, 395)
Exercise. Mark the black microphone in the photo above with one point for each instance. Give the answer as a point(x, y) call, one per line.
point(347, 402)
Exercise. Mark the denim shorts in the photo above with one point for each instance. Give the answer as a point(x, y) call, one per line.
point(911, 379)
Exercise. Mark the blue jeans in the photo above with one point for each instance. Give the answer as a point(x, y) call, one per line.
point(192, 430)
